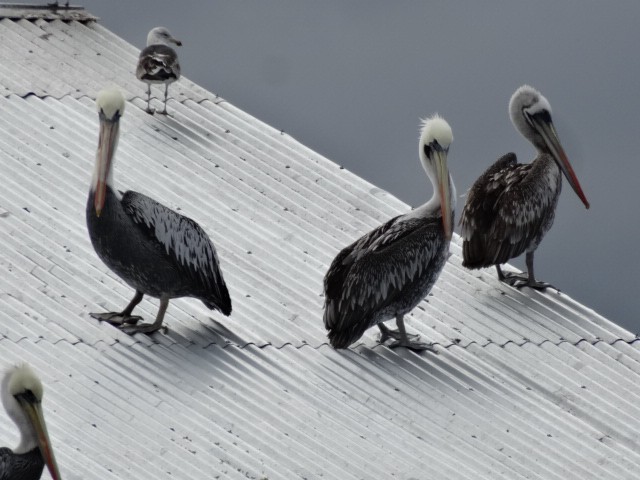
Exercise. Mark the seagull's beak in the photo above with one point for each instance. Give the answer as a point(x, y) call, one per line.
point(33, 410)
point(107, 143)
point(548, 132)
point(442, 182)
point(176, 41)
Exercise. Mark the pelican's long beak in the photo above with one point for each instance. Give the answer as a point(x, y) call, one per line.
point(33, 410)
point(442, 182)
point(548, 132)
point(107, 143)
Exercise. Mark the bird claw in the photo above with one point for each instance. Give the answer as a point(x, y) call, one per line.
point(519, 280)
point(415, 346)
point(396, 335)
point(116, 318)
point(150, 111)
point(143, 328)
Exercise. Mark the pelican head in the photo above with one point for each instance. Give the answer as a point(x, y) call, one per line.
point(22, 399)
point(530, 113)
point(161, 36)
point(110, 105)
point(435, 138)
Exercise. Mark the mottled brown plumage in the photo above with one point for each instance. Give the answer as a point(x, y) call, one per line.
point(512, 206)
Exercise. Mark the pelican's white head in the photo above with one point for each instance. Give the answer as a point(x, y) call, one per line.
point(17, 381)
point(530, 113)
point(110, 102)
point(527, 102)
point(161, 36)
point(435, 139)
point(21, 392)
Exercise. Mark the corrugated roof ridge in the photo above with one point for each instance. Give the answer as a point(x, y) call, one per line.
point(149, 343)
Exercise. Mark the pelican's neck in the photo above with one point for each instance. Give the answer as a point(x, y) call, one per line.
point(432, 206)
point(28, 435)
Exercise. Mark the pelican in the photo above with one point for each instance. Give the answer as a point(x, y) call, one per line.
point(511, 206)
point(158, 63)
point(388, 271)
point(155, 250)
point(22, 399)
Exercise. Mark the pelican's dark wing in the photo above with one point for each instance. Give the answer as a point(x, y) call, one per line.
point(158, 63)
point(25, 466)
point(505, 210)
point(372, 273)
point(182, 239)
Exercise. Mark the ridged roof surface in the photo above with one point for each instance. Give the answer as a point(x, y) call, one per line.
point(523, 385)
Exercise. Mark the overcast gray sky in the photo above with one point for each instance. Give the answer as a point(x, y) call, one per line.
point(350, 79)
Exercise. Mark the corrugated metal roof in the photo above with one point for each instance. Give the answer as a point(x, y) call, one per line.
point(524, 385)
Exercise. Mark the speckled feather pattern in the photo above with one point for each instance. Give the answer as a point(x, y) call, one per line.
point(385, 273)
point(158, 64)
point(156, 250)
point(509, 209)
point(25, 466)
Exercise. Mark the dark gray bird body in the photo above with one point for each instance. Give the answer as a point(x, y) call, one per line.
point(155, 250)
point(509, 209)
point(383, 275)
point(21, 466)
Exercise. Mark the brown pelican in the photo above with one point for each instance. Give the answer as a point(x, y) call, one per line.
point(155, 250)
point(158, 63)
point(511, 206)
point(388, 271)
point(22, 399)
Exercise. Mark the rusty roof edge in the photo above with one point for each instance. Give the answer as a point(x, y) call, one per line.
point(49, 11)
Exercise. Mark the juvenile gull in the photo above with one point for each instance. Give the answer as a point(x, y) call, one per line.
point(158, 63)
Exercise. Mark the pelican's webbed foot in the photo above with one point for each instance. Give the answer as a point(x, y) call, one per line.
point(413, 345)
point(143, 328)
point(117, 318)
point(386, 333)
point(403, 339)
point(524, 279)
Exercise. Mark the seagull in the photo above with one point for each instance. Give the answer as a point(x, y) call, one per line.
point(158, 63)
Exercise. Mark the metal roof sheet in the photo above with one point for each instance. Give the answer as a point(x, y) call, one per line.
point(524, 384)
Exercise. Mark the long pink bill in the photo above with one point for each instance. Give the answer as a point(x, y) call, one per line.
point(548, 132)
point(107, 141)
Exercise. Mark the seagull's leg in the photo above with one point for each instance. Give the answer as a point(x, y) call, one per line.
point(166, 94)
point(149, 109)
point(123, 317)
point(386, 333)
point(149, 327)
point(404, 340)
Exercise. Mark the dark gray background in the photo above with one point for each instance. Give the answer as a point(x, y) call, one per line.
point(351, 79)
